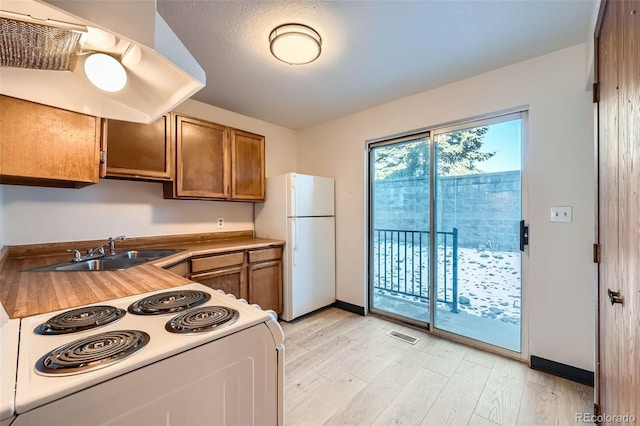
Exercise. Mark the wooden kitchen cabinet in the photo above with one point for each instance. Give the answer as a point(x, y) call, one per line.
point(226, 272)
point(265, 278)
point(253, 275)
point(229, 280)
point(247, 166)
point(46, 146)
point(215, 162)
point(202, 155)
point(265, 285)
point(139, 151)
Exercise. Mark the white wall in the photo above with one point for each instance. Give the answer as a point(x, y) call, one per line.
point(558, 168)
point(111, 207)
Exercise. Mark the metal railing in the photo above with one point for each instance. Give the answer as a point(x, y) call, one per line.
point(401, 264)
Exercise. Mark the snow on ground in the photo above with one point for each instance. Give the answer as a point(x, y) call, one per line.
point(489, 283)
point(488, 280)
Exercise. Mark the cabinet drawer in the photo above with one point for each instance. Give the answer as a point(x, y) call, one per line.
point(265, 254)
point(181, 269)
point(215, 262)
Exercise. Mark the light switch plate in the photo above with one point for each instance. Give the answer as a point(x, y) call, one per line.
point(561, 214)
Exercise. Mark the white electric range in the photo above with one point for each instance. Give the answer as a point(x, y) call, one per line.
point(210, 359)
point(9, 335)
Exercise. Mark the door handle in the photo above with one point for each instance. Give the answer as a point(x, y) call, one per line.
point(614, 297)
point(524, 235)
point(294, 241)
point(294, 198)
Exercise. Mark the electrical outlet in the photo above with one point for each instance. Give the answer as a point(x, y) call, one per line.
point(221, 222)
point(561, 214)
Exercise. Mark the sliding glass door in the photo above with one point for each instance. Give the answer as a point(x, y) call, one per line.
point(399, 222)
point(451, 198)
point(479, 200)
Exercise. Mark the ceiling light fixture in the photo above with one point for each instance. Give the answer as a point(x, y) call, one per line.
point(295, 44)
point(105, 72)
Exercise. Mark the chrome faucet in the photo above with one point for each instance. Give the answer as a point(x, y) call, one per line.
point(77, 257)
point(111, 242)
point(98, 251)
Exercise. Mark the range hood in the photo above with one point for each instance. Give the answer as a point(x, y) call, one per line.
point(161, 73)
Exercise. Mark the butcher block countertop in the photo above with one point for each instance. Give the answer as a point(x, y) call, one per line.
point(24, 294)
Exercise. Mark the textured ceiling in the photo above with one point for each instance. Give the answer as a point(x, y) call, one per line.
point(373, 51)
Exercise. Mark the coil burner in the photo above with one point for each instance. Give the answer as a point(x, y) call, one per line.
point(81, 319)
point(169, 302)
point(93, 352)
point(202, 319)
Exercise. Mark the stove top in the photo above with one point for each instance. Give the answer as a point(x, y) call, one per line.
point(80, 319)
point(43, 374)
point(92, 352)
point(169, 302)
point(201, 320)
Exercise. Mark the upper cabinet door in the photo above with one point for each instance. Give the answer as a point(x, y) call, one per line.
point(46, 146)
point(247, 166)
point(139, 151)
point(202, 158)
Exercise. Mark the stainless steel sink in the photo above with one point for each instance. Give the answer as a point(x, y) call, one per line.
point(100, 265)
point(143, 254)
point(112, 262)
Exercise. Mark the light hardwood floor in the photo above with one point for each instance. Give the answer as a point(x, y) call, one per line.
point(342, 369)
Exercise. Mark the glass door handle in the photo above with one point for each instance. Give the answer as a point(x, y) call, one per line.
point(524, 235)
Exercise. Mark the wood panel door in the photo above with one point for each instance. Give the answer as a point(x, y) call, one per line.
point(202, 159)
point(247, 166)
point(618, 77)
point(629, 145)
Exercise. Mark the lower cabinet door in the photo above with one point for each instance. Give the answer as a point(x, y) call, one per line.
point(265, 285)
point(229, 280)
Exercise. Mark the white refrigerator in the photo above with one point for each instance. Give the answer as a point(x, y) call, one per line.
point(300, 210)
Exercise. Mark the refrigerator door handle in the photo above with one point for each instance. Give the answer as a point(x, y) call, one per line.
point(295, 241)
point(294, 200)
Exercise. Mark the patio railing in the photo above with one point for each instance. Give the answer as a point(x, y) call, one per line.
point(401, 264)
